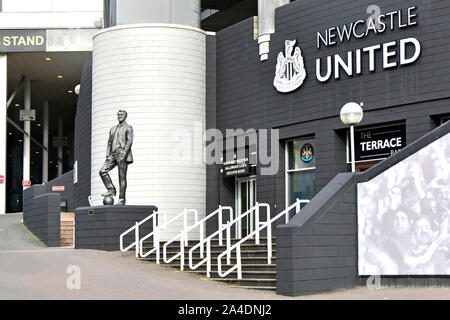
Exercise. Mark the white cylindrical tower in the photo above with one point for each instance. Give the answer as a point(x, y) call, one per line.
point(156, 72)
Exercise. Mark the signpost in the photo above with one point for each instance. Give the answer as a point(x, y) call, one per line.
point(22, 40)
point(379, 143)
point(26, 183)
point(60, 142)
point(236, 167)
point(27, 115)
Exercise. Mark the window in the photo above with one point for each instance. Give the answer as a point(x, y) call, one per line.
point(300, 173)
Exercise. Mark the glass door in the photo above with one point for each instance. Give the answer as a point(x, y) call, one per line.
point(246, 198)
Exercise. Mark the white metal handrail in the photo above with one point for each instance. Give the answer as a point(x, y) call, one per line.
point(183, 214)
point(258, 229)
point(155, 234)
point(157, 230)
point(226, 227)
point(136, 243)
point(183, 235)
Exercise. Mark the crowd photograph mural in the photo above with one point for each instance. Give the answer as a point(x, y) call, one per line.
point(403, 216)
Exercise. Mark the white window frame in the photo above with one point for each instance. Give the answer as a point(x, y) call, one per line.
point(288, 171)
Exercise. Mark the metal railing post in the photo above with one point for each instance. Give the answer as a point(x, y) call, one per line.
point(136, 238)
point(156, 238)
point(269, 243)
point(157, 245)
point(185, 226)
point(220, 224)
point(257, 223)
point(238, 260)
point(201, 240)
point(228, 242)
point(208, 256)
point(182, 251)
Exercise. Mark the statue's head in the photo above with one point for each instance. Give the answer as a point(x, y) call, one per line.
point(121, 115)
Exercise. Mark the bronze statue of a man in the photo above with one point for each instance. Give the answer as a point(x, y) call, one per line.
point(118, 153)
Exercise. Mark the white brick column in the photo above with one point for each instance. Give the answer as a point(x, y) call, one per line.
point(156, 72)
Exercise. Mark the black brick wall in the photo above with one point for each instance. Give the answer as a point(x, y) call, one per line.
point(42, 215)
point(212, 192)
point(322, 255)
point(246, 97)
point(67, 195)
point(101, 229)
point(318, 250)
point(82, 141)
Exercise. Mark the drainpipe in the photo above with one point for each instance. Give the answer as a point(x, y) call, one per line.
point(45, 143)
point(27, 135)
point(266, 24)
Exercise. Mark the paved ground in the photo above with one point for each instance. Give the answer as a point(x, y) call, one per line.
point(29, 270)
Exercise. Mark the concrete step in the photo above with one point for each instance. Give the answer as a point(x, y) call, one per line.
point(256, 274)
point(249, 267)
point(214, 254)
point(244, 246)
point(258, 287)
point(214, 242)
point(67, 233)
point(256, 283)
point(195, 260)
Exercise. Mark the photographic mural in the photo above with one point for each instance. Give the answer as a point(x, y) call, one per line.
point(403, 216)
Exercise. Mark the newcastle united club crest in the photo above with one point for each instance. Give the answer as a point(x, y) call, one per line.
point(307, 153)
point(290, 71)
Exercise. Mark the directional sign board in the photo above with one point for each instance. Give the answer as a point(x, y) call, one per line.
point(26, 183)
point(60, 142)
point(27, 115)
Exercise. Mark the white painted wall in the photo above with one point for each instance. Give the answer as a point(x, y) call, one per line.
point(61, 40)
point(3, 126)
point(185, 12)
point(156, 72)
point(42, 14)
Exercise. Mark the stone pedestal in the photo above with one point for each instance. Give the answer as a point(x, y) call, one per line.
point(100, 227)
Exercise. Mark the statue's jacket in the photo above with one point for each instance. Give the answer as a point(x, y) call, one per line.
point(124, 140)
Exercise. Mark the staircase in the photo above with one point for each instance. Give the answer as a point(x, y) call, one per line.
point(256, 273)
point(67, 229)
point(247, 266)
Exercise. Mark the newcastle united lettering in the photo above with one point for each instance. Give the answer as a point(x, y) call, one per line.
point(394, 53)
point(361, 28)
